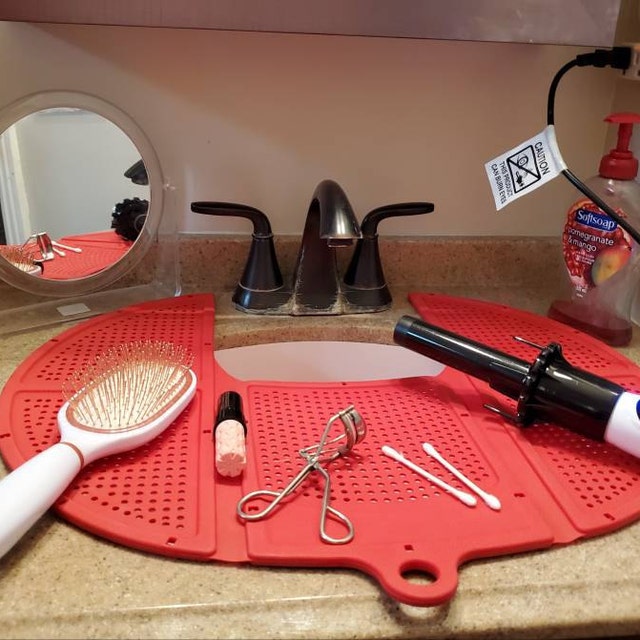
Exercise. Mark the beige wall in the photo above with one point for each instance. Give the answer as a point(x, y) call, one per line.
point(261, 118)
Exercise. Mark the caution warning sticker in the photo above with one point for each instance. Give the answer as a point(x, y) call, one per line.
point(524, 168)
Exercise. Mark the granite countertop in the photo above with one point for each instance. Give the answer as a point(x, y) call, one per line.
point(61, 582)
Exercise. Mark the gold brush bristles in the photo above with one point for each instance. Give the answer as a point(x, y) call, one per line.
point(20, 258)
point(128, 384)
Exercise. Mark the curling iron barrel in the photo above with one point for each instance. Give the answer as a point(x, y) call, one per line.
point(549, 389)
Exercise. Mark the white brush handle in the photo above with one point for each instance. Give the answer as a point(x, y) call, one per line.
point(27, 492)
point(463, 496)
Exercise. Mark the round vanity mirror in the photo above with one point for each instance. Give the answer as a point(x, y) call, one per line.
point(80, 194)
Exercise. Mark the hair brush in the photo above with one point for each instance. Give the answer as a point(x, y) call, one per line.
point(22, 259)
point(127, 396)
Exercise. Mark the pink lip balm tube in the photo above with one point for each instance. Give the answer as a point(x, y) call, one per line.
point(229, 435)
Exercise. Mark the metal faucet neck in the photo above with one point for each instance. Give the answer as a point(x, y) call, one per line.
point(330, 223)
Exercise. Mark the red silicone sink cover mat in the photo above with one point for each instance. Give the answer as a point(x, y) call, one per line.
point(165, 498)
point(96, 252)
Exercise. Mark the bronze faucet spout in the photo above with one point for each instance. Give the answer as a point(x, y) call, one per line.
point(330, 223)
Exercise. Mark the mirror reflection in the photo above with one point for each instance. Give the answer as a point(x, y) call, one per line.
point(74, 193)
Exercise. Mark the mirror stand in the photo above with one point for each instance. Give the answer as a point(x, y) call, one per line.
point(99, 270)
point(156, 276)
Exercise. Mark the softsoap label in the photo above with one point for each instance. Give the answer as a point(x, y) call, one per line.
point(595, 246)
point(524, 168)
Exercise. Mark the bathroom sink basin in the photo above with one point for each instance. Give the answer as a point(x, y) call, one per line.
point(324, 361)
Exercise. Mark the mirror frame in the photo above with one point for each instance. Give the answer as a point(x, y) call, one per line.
point(10, 114)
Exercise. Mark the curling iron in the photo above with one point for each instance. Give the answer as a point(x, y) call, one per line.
point(549, 389)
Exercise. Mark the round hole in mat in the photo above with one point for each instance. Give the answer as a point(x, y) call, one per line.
point(419, 574)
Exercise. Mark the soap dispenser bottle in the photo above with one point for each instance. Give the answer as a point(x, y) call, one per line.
point(596, 248)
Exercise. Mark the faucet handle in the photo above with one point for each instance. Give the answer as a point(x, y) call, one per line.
point(369, 226)
point(261, 285)
point(261, 225)
point(365, 287)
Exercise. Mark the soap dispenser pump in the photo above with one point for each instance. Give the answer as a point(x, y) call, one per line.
point(620, 163)
point(597, 248)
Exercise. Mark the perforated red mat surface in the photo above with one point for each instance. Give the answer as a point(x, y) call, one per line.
point(164, 498)
point(98, 251)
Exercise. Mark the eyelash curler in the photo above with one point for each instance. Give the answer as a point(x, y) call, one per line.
point(316, 456)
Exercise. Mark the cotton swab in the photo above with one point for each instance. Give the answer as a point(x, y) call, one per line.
point(66, 247)
point(463, 496)
point(490, 500)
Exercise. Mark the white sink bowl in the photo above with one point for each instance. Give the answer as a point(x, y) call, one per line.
point(325, 361)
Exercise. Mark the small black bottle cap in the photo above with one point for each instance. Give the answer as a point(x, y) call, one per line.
point(230, 408)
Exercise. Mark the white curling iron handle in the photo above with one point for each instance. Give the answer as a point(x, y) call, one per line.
point(623, 428)
point(28, 491)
